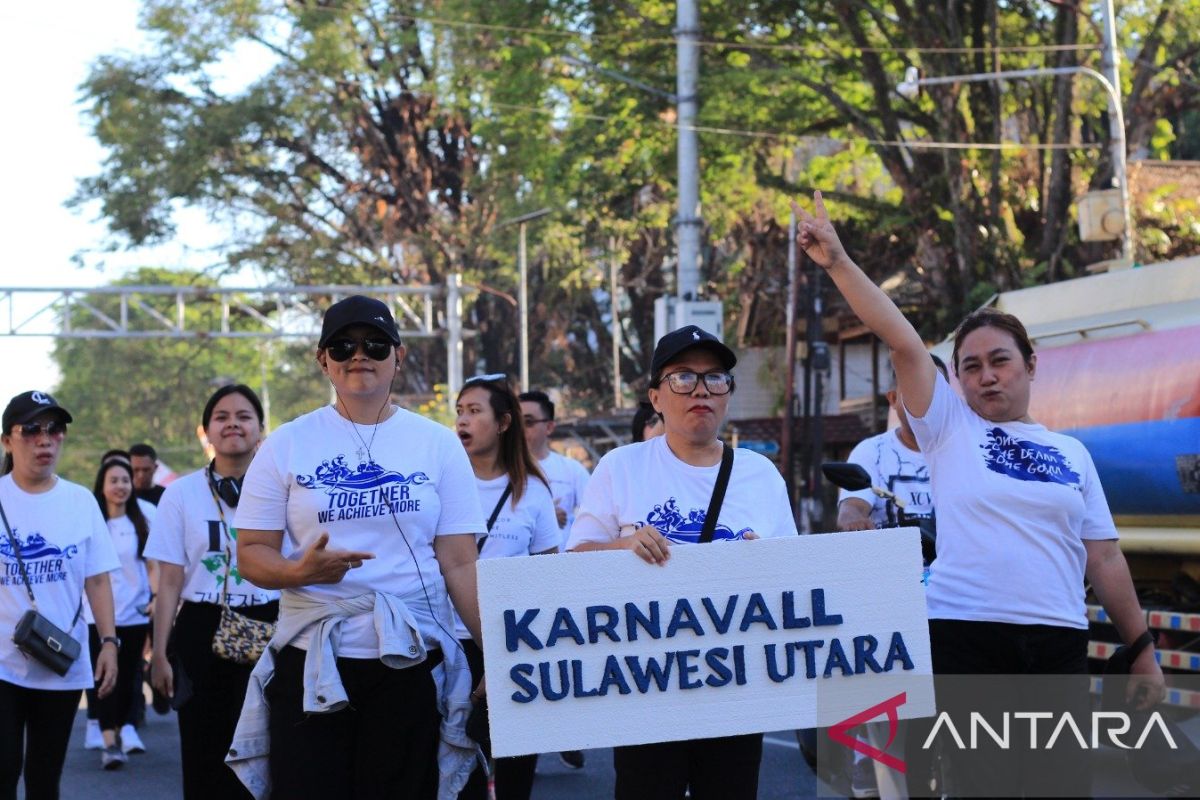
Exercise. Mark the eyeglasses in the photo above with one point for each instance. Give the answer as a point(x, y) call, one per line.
point(343, 349)
point(535, 420)
point(684, 382)
point(495, 377)
point(54, 429)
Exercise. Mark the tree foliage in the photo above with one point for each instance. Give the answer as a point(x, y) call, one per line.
point(387, 143)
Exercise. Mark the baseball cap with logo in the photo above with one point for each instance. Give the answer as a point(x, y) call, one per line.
point(358, 310)
point(28, 405)
point(672, 344)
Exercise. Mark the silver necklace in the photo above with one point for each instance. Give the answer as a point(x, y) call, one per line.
point(365, 450)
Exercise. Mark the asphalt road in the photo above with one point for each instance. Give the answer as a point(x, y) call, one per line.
point(155, 774)
point(784, 775)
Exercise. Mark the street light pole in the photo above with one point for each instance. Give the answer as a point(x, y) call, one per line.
point(523, 292)
point(908, 88)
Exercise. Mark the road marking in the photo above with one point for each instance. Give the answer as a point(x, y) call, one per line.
point(790, 743)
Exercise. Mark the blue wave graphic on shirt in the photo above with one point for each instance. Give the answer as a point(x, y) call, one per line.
point(673, 525)
point(336, 475)
point(34, 546)
point(1027, 461)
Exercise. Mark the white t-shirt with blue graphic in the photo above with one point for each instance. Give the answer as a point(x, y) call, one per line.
point(63, 541)
point(894, 467)
point(524, 529)
point(646, 484)
point(388, 489)
point(1015, 503)
point(187, 531)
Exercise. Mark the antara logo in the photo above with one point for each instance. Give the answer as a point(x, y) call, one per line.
point(839, 732)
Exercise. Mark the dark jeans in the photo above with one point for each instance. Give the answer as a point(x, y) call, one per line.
point(35, 726)
point(514, 775)
point(725, 768)
point(208, 719)
point(383, 745)
point(118, 708)
point(1020, 654)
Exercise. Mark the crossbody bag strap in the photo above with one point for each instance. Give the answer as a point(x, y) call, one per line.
point(16, 548)
point(718, 496)
point(495, 513)
point(228, 539)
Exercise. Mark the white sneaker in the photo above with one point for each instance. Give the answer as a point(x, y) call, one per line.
point(130, 741)
point(92, 738)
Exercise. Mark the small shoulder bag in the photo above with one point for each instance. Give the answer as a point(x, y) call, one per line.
point(36, 636)
point(238, 638)
point(718, 496)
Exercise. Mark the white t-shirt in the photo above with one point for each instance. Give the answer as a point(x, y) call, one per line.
point(1015, 504)
point(568, 478)
point(387, 489)
point(894, 467)
point(187, 531)
point(525, 529)
point(130, 583)
point(646, 484)
point(63, 540)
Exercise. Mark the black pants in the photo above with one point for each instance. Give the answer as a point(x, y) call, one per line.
point(514, 775)
point(35, 726)
point(725, 768)
point(207, 720)
point(118, 707)
point(1025, 657)
point(383, 745)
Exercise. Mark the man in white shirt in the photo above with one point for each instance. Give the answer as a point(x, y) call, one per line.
point(567, 478)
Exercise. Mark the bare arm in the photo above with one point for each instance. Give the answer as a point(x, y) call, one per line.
point(260, 560)
point(915, 372)
point(854, 514)
point(1108, 573)
point(166, 601)
point(100, 598)
point(456, 556)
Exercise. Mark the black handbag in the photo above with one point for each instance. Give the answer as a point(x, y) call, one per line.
point(36, 636)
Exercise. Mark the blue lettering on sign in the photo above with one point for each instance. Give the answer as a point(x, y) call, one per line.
point(1027, 461)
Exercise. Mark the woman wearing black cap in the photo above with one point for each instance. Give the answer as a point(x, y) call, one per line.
point(364, 674)
point(193, 541)
point(654, 495)
point(55, 547)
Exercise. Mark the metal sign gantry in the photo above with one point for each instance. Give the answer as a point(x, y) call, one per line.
point(268, 312)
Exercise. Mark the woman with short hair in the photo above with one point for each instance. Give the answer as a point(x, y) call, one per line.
point(364, 679)
point(653, 496)
point(55, 549)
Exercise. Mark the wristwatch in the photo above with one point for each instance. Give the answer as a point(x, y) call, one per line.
point(106, 639)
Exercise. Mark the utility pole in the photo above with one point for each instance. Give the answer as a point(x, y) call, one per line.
point(523, 303)
point(1110, 67)
point(786, 457)
point(687, 221)
point(614, 287)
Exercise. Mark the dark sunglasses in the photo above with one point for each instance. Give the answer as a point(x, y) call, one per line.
point(53, 429)
point(343, 349)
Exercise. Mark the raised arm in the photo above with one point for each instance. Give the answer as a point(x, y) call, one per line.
point(915, 372)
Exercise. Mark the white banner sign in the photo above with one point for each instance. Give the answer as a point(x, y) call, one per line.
point(588, 650)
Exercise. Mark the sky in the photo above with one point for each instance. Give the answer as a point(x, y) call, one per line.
point(47, 147)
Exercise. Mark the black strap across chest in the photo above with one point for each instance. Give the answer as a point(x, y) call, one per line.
point(718, 496)
point(495, 513)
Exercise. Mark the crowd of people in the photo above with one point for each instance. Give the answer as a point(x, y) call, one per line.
point(309, 598)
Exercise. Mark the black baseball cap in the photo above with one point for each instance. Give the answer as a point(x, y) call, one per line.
point(685, 338)
point(28, 405)
point(358, 310)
